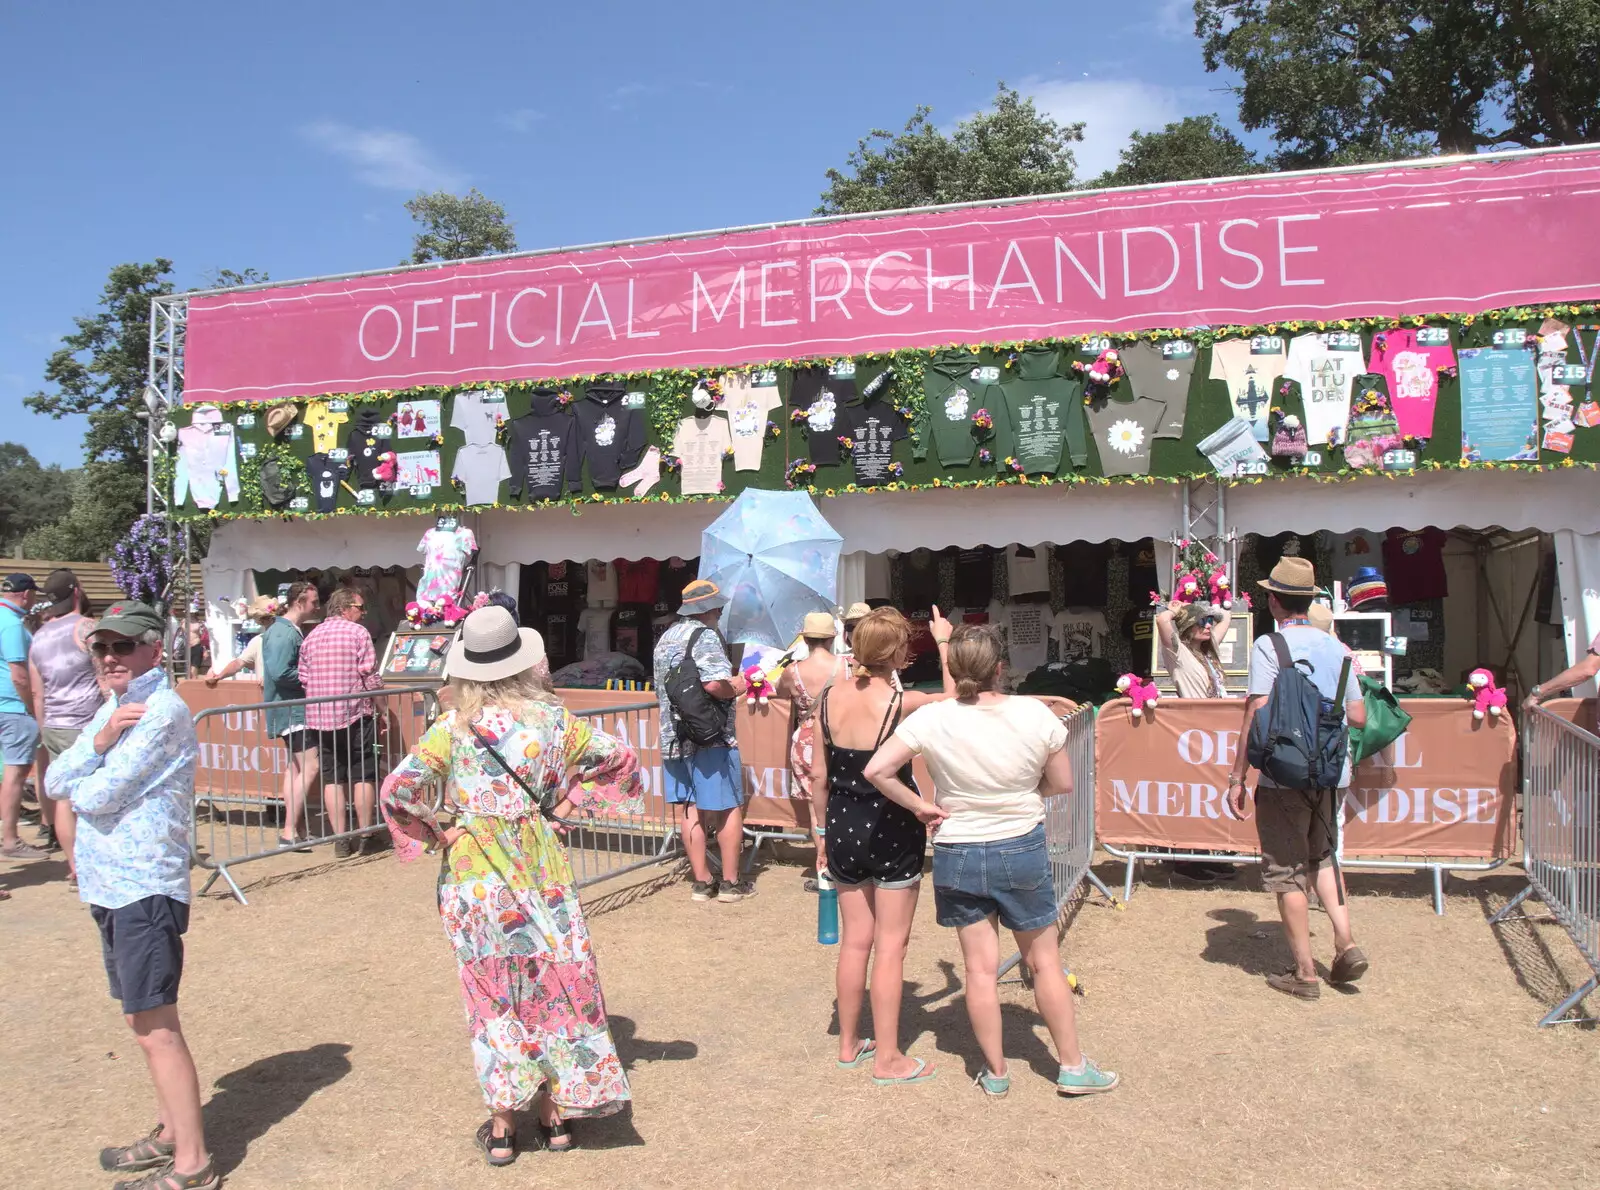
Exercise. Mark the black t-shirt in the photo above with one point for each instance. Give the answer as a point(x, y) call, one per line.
point(974, 577)
point(630, 631)
point(875, 428)
point(559, 586)
point(1138, 629)
point(364, 447)
point(676, 574)
point(919, 579)
point(1142, 577)
point(823, 396)
point(1083, 573)
point(1271, 550)
point(325, 476)
point(559, 627)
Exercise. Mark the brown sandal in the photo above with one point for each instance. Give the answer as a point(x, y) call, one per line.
point(168, 1178)
point(1301, 989)
point(148, 1152)
point(497, 1150)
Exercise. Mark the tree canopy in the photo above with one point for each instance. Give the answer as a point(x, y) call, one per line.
point(458, 226)
point(1008, 151)
point(31, 495)
point(1193, 147)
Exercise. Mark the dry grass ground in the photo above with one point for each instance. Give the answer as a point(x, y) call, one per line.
point(332, 1053)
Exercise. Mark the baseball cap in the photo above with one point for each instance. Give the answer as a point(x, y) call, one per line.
point(130, 618)
point(58, 588)
point(14, 583)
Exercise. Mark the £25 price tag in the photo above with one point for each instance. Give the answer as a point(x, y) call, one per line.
point(1433, 336)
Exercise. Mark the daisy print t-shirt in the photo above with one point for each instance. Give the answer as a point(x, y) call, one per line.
point(1123, 432)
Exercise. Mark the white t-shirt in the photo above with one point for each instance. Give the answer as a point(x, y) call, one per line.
point(1027, 636)
point(700, 444)
point(748, 400)
point(986, 760)
point(1027, 569)
point(1324, 375)
point(1079, 633)
point(595, 624)
point(602, 584)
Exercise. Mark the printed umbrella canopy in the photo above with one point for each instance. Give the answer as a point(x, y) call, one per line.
point(775, 559)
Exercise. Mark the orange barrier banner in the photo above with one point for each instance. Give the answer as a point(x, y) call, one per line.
point(1447, 788)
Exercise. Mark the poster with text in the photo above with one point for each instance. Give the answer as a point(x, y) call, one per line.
point(1499, 405)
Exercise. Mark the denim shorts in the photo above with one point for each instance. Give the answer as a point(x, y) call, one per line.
point(1009, 877)
point(712, 779)
point(19, 738)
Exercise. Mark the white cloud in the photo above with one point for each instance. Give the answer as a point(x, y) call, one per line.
point(521, 120)
point(1111, 111)
point(1173, 20)
point(389, 160)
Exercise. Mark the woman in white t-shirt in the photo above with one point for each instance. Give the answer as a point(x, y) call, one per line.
point(994, 758)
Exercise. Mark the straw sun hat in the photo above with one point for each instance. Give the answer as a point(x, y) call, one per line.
point(492, 648)
point(1292, 576)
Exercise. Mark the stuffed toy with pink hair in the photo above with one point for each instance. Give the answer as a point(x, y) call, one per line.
point(1140, 691)
point(1221, 589)
point(760, 689)
point(1189, 588)
point(384, 472)
point(1487, 698)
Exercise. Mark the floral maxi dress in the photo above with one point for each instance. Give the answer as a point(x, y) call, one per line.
point(528, 974)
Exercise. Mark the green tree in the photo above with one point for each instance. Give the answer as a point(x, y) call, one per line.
point(105, 499)
point(1009, 151)
point(31, 495)
point(1342, 81)
point(228, 278)
point(458, 226)
point(1193, 147)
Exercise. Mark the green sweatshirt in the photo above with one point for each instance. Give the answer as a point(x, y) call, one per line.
point(1042, 407)
point(953, 391)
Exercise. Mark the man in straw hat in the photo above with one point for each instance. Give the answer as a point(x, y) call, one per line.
point(707, 780)
point(130, 777)
point(1297, 828)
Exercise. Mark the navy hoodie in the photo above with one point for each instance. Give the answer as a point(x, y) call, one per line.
point(544, 449)
point(611, 437)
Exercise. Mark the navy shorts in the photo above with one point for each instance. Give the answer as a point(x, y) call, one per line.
point(1008, 877)
point(143, 948)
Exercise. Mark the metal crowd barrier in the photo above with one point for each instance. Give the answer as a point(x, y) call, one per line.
point(1561, 837)
point(247, 778)
point(1069, 823)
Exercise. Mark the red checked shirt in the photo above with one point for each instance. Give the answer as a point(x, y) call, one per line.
point(337, 657)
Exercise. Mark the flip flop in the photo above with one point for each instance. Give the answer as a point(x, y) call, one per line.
point(920, 1075)
point(866, 1050)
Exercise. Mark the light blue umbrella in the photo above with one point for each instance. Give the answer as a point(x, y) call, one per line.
point(775, 559)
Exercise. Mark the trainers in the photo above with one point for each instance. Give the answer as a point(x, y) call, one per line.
point(730, 891)
point(21, 850)
point(1091, 1080)
point(345, 848)
point(703, 890)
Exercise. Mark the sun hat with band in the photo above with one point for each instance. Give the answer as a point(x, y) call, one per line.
point(701, 596)
point(1189, 615)
point(818, 626)
point(492, 648)
point(1291, 576)
point(855, 612)
point(130, 618)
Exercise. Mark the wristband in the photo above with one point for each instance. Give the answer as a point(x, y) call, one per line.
point(817, 830)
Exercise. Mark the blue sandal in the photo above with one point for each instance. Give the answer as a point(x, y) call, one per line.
point(864, 1052)
point(920, 1075)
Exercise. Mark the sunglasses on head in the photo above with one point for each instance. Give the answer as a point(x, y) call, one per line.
point(122, 648)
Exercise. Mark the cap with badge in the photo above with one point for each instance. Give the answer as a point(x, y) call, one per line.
point(130, 618)
point(15, 584)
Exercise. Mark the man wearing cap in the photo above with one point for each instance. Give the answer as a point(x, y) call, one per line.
point(130, 778)
point(19, 731)
point(1297, 828)
point(707, 780)
point(66, 688)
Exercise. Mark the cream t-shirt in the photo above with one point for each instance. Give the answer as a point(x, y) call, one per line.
point(986, 760)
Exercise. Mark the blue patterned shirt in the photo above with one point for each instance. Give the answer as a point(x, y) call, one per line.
point(135, 803)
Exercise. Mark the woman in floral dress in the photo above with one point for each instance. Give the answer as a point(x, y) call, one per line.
point(528, 973)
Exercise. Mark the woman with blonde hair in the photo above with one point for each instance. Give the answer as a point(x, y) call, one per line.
point(263, 609)
point(802, 684)
point(994, 758)
point(871, 848)
point(1189, 633)
point(513, 763)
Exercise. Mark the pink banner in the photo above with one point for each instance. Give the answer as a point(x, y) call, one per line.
point(1419, 239)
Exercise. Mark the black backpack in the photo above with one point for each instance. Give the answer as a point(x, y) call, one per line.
point(1298, 740)
point(696, 716)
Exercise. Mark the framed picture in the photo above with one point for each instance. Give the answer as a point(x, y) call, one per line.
point(415, 655)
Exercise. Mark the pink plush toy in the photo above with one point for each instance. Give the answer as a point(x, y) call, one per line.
point(385, 470)
point(452, 612)
point(1221, 589)
point(1487, 697)
point(1139, 691)
point(1189, 588)
point(761, 687)
point(1106, 369)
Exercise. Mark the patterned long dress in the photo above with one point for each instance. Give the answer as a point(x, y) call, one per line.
point(528, 974)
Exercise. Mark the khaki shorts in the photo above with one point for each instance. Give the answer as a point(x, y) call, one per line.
point(1295, 835)
point(57, 740)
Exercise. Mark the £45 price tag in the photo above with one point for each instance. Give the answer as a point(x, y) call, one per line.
point(987, 375)
point(1399, 460)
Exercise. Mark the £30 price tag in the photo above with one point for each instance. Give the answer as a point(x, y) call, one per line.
point(1177, 349)
point(1266, 345)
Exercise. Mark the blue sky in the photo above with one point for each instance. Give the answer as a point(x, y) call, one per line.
point(286, 138)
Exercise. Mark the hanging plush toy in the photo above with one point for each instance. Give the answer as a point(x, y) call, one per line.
point(385, 470)
point(1140, 691)
point(1487, 697)
point(1099, 376)
point(1221, 589)
point(1189, 588)
point(760, 686)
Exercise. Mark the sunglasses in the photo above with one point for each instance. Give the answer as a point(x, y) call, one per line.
point(1207, 622)
point(122, 648)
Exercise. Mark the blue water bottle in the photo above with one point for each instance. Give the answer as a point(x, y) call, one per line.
point(827, 910)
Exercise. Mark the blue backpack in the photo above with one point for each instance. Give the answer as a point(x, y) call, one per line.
point(1298, 740)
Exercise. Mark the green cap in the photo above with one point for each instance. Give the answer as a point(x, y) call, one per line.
point(130, 619)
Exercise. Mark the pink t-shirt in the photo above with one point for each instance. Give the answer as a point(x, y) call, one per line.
point(1412, 372)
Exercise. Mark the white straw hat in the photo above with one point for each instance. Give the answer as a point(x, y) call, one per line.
point(491, 647)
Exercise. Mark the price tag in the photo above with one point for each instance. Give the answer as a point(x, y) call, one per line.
point(384, 431)
point(247, 450)
point(1266, 345)
point(245, 421)
point(421, 491)
point(633, 400)
point(297, 431)
point(1251, 467)
point(297, 504)
point(1572, 374)
point(446, 523)
point(1312, 458)
point(1516, 337)
point(1342, 341)
point(1399, 460)
point(765, 378)
point(990, 375)
point(1094, 345)
point(494, 396)
point(338, 406)
point(1433, 336)
point(366, 496)
point(1396, 646)
point(844, 369)
point(338, 455)
point(1177, 349)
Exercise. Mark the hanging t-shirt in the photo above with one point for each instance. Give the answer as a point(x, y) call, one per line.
point(1324, 366)
point(1083, 573)
point(1271, 550)
point(481, 469)
point(1027, 636)
point(324, 423)
point(1413, 565)
point(444, 558)
point(363, 445)
point(478, 414)
point(1079, 634)
point(919, 579)
point(560, 630)
point(595, 626)
point(637, 582)
point(700, 444)
point(325, 476)
point(748, 400)
point(1351, 551)
point(1142, 577)
point(1027, 570)
point(1250, 368)
point(601, 583)
point(630, 632)
point(676, 574)
point(974, 577)
point(1162, 372)
point(611, 431)
point(1412, 372)
point(822, 392)
point(874, 428)
point(544, 448)
point(557, 586)
point(1139, 631)
point(954, 388)
point(1123, 432)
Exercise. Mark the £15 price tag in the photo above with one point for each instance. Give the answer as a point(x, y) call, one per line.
point(245, 421)
point(1515, 337)
point(297, 431)
point(1399, 460)
point(1572, 374)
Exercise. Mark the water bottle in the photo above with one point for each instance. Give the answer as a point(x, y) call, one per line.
point(827, 911)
